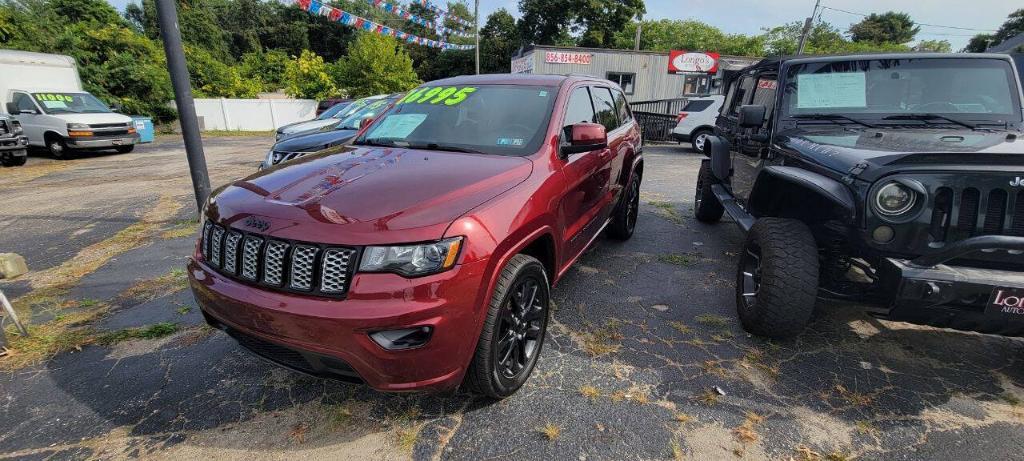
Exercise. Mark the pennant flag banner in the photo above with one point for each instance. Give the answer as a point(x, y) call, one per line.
point(337, 15)
point(403, 13)
point(430, 6)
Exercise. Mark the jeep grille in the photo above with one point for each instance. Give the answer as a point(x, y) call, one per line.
point(278, 264)
point(963, 213)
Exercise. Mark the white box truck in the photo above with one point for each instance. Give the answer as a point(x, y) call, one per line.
point(43, 92)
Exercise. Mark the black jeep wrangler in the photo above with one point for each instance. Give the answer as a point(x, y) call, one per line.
point(895, 181)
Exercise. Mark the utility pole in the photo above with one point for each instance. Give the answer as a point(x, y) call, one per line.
point(807, 28)
point(636, 41)
point(167, 13)
point(476, 32)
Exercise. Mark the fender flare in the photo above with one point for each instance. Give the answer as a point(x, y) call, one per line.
point(828, 188)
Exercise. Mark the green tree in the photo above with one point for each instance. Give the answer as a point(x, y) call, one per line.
point(499, 40)
point(979, 43)
point(674, 34)
point(598, 20)
point(86, 10)
point(889, 27)
point(375, 65)
point(934, 46)
point(545, 22)
point(267, 67)
point(823, 39)
point(1013, 26)
point(308, 77)
point(212, 78)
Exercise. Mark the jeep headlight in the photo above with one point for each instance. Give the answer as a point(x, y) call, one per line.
point(411, 260)
point(894, 199)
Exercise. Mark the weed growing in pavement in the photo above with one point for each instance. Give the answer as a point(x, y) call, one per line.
point(677, 259)
point(155, 331)
point(604, 340)
point(708, 397)
point(866, 427)
point(551, 431)
point(746, 432)
point(677, 449)
point(298, 433)
point(680, 327)
point(590, 392)
point(683, 418)
point(173, 281)
point(666, 210)
point(183, 310)
point(180, 229)
point(1010, 399)
point(712, 320)
point(856, 399)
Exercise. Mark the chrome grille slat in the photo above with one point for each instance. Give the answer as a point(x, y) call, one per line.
point(273, 262)
point(216, 238)
point(231, 251)
point(334, 272)
point(251, 257)
point(301, 274)
point(206, 240)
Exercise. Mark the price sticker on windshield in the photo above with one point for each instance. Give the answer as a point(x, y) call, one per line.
point(447, 95)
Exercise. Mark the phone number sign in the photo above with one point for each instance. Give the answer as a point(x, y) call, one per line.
point(563, 57)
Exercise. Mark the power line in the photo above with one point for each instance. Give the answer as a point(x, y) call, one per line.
point(916, 23)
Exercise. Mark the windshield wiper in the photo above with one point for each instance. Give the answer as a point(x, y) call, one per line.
point(926, 117)
point(444, 147)
point(380, 142)
point(831, 117)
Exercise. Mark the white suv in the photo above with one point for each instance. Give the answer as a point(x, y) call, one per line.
point(697, 120)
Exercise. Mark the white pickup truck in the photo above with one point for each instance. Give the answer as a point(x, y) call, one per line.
point(44, 93)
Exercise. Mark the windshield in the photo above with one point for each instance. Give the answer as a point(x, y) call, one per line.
point(333, 110)
point(892, 89)
point(364, 108)
point(70, 103)
point(489, 119)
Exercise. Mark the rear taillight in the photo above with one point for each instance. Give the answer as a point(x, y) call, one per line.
point(681, 116)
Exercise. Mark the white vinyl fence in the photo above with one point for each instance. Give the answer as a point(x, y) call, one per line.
point(252, 114)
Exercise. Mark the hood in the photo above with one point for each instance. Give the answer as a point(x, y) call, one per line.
point(362, 195)
point(90, 119)
point(314, 141)
point(307, 125)
point(839, 149)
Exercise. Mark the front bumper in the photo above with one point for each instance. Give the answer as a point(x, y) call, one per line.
point(102, 142)
point(330, 337)
point(927, 291)
point(16, 145)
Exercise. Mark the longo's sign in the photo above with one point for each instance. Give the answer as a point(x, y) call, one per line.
point(692, 61)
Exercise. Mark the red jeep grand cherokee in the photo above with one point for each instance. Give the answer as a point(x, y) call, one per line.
point(422, 255)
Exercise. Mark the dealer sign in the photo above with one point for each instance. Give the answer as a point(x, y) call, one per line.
point(680, 61)
point(562, 57)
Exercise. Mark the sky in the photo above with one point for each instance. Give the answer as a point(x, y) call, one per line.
point(749, 16)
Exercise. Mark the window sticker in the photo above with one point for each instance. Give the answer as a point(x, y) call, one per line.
point(55, 104)
point(397, 126)
point(837, 89)
point(543, 94)
point(449, 96)
point(514, 142)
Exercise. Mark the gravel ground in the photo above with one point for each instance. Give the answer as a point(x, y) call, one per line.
point(645, 358)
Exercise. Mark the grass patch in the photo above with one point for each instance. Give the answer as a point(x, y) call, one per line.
point(856, 399)
point(604, 340)
point(407, 438)
point(712, 320)
point(680, 327)
point(147, 290)
point(746, 432)
point(866, 427)
point(708, 397)
point(683, 418)
point(183, 310)
point(1010, 399)
point(714, 367)
point(678, 259)
point(666, 210)
point(155, 331)
point(183, 228)
point(551, 431)
point(677, 450)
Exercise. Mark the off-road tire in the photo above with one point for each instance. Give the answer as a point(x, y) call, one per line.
point(788, 278)
point(124, 149)
point(627, 211)
point(706, 206)
point(481, 376)
point(693, 141)
point(14, 161)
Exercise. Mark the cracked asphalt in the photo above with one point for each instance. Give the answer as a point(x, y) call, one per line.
point(645, 358)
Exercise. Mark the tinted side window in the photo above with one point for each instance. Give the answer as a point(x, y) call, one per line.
point(742, 91)
point(24, 102)
point(697, 106)
point(579, 110)
point(622, 107)
point(604, 106)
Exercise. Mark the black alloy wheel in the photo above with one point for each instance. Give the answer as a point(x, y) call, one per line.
point(521, 329)
point(626, 212)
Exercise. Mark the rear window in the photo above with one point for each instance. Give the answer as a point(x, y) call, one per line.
point(697, 105)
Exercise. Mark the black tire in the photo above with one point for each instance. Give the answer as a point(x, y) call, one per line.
point(706, 206)
point(489, 374)
point(57, 148)
point(777, 278)
point(125, 149)
point(698, 141)
point(626, 212)
point(14, 161)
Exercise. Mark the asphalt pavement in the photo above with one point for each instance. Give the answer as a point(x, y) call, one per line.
point(644, 360)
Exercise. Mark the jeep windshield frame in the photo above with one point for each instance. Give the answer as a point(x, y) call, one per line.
point(893, 90)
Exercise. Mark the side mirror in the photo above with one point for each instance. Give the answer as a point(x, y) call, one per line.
point(13, 109)
point(585, 137)
point(751, 116)
point(116, 108)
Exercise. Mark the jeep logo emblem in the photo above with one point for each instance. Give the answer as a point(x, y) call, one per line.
point(1017, 182)
point(257, 223)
